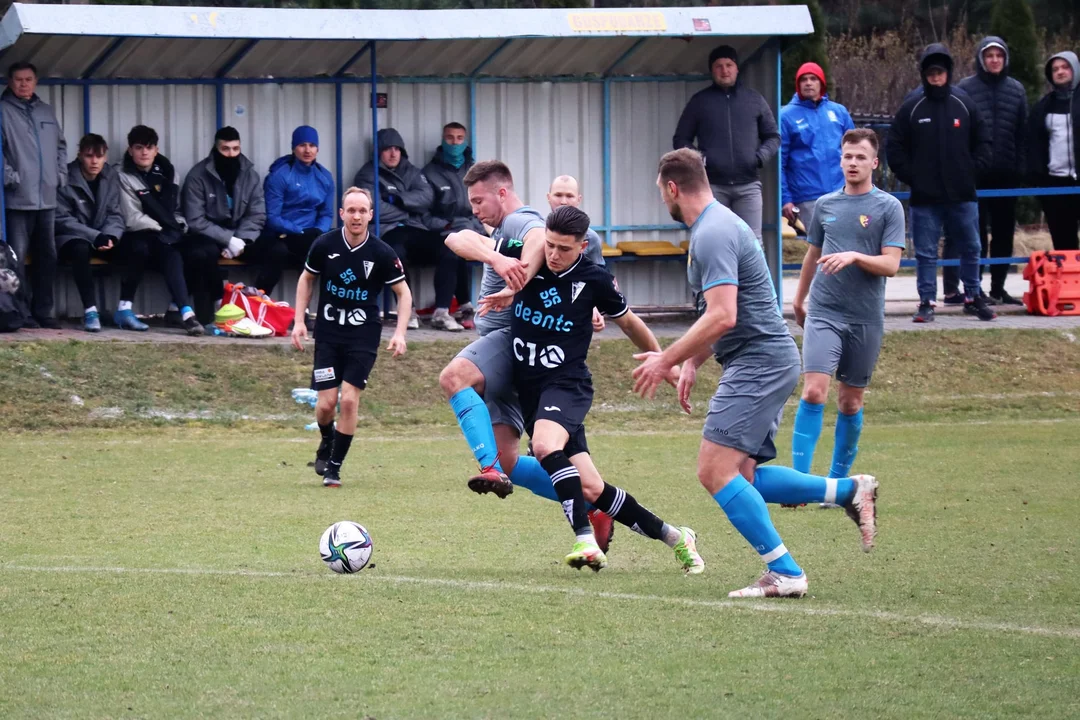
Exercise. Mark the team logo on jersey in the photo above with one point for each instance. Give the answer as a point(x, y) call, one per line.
point(832, 116)
point(864, 220)
point(830, 218)
point(550, 297)
point(334, 255)
point(397, 264)
point(575, 290)
point(367, 268)
point(551, 357)
point(956, 122)
point(356, 316)
point(348, 276)
point(514, 242)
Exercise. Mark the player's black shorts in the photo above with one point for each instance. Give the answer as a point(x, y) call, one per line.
point(565, 402)
point(337, 362)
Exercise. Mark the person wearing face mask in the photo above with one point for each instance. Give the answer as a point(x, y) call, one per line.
point(450, 211)
point(938, 144)
point(1054, 147)
point(223, 202)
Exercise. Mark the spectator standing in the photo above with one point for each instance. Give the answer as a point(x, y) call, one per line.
point(1002, 101)
point(736, 132)
point(565, 190)
point(35, 167)
point(1055, 150)
point(811, 127)
point(150, 202)
point(450, 211)
point(404, 198)
point(938, 143)
point(300, 197)
point(224, 205)
point(89, 222)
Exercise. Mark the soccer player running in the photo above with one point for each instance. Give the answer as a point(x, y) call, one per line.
point(353, 266)
point(742, 327)
point(856, 240)
point(551, 328)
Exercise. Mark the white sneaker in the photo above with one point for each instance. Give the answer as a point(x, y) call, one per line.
point(445, 321)
point(772, 584)
point(863, 509)
point(827, 506)
point(414, 322)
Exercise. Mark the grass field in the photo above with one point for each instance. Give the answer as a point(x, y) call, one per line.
point(169, 569)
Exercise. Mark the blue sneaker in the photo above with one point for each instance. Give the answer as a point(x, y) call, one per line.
point(126, 320)
point(91, 321)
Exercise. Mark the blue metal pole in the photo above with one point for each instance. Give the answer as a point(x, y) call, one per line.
point(472, 117)
point(777, 271)
point(86, 109)
point(607, 160)
point(3, 202)
point(219, 104)
point(338, 152)
point(375, 132)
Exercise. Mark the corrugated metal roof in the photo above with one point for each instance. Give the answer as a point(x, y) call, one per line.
point(185, 43)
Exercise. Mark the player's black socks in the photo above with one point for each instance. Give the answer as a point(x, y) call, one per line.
point(567, 482)
point(341, 449)
point(622, 506)
point(327, 430)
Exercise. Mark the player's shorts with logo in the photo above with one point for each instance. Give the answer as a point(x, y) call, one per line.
point(492, 354)
point(848, 349)
point(745, 412)
point(338, 362)
point(565, 402)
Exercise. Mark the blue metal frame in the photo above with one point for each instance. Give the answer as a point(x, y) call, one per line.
point(777, 268)
point(606, 134)
point(375, 133)
point(86, 109)
point(102, 58)
point(491, 56)
point(403, 80)
point(625, 56)
point(472, 117)
point(233, 61)
point(351, 61)
point(339, 154)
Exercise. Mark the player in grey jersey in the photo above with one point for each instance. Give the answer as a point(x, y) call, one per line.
point(856, 239)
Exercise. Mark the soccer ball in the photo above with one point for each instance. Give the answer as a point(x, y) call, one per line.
point(345, 547)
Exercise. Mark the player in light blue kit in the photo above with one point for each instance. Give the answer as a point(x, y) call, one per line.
point(856, 240)
point(741, 326)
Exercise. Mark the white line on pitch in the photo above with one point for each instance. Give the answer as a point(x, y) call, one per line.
point(781, 607)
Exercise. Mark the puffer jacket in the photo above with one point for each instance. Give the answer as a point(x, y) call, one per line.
point(35, 153)
point(1060, 104)
point(151, 200)
point(404, 195)
point(1003, 103)
point(79, 215)
point(207, 207)
point(298, 197)
point(450, 210)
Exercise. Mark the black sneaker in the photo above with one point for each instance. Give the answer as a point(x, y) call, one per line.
point(925, 313)
point(332, 477)
point(193, 327)
point(48, 323)
point(987, 299)
point(1004, 298)
point(956, 299)
point(322, 455)
point(979, 309)
point(173, 319)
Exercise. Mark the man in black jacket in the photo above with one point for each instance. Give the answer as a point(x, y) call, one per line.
point(938, 144)
point(1054, 146)
point(736, 132)
point(1003, 103)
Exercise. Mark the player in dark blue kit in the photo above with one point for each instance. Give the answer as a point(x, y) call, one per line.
point(551, 328)
point(352, 267)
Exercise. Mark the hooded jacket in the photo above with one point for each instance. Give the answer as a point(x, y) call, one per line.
point(210, 211)
point(735, 131)
point(1002, 101)
point(938, 142)
point(450, 209)
point(1057, 107)
point(79, 215)
point(151, 200)
point(298, 197)
point(35, 153)
point(404, 194)
point(810, 134)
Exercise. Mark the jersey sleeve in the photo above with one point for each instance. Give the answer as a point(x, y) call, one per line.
point(606, 296)
point(720, 266)
point(392, 270)
point(893, 228)
point(815, 234)
point(316, 259)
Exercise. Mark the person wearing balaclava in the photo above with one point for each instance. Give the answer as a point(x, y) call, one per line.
point(405, 196)
point(450, 212)
point(1054, 148)
point(736, 131)
point(223, 202)
point(938, 145)
point(300, 203)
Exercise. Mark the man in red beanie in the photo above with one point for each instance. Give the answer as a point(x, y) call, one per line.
point(811, 126)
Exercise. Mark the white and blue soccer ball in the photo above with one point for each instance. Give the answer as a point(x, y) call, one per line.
point(345, 547)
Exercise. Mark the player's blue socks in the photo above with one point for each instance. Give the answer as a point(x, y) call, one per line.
point(747, 512)
point(806, 433)
point(530, 474)
point(475, 423)
point(848, 430)
point(787, 486)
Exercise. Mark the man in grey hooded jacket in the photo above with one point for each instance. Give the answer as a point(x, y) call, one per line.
point(1054, 148)
point(35, 167)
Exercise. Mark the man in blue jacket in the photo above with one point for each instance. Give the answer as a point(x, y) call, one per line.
point(811, 126)
point(299, 208)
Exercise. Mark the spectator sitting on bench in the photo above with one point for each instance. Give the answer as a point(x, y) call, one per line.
point(404, 198)
point(299, 208)
point(149, 199)
point(223, 203)
point(89, 223)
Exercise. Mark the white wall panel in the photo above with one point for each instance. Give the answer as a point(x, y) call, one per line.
point(67, 103)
